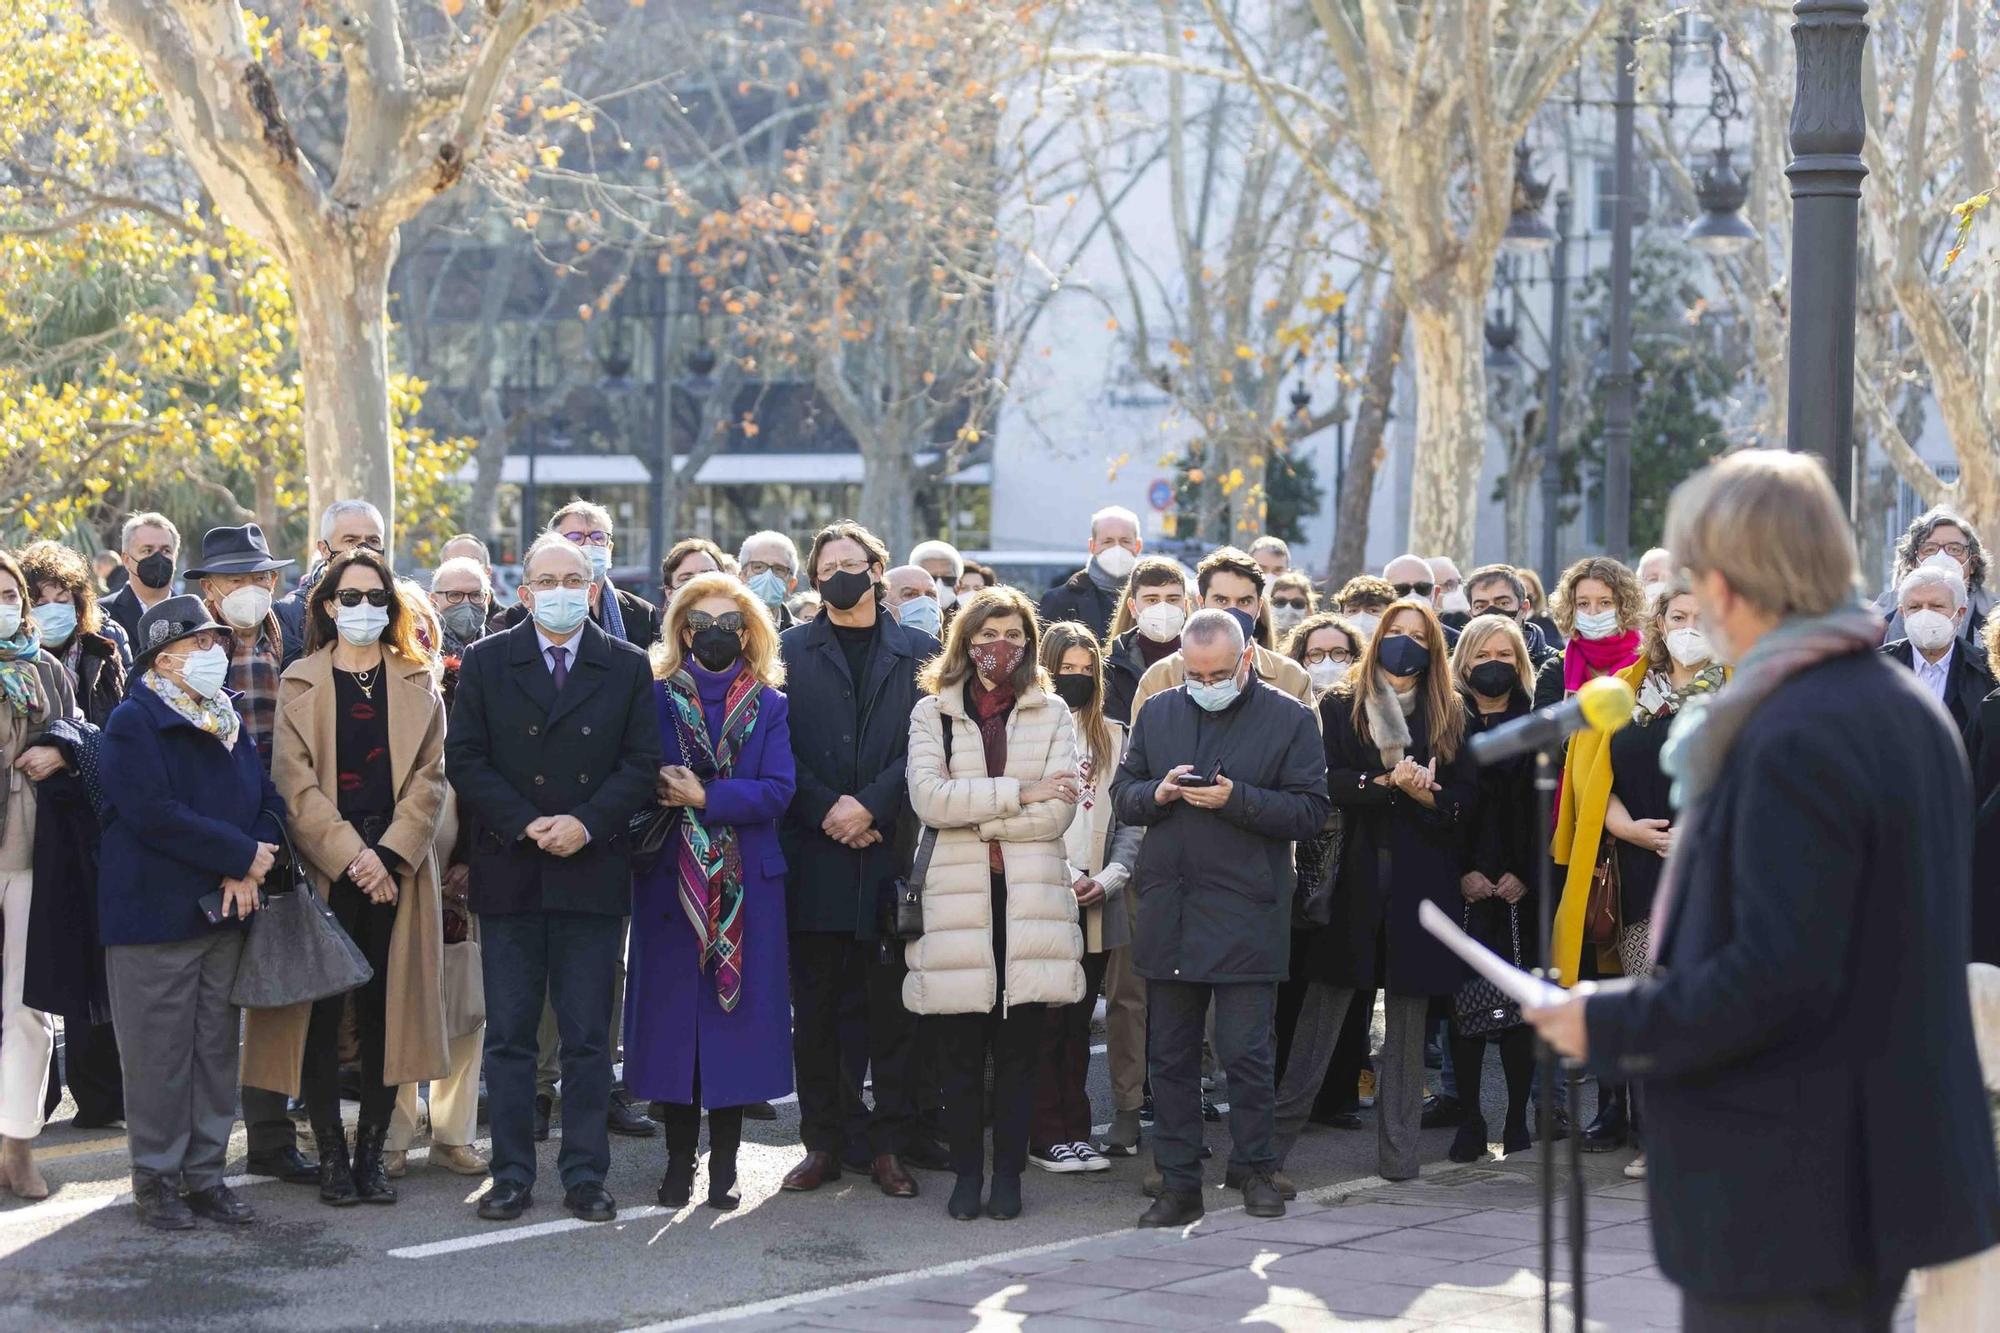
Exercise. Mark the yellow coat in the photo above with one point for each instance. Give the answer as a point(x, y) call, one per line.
point(305, 769)
point(1586, 792)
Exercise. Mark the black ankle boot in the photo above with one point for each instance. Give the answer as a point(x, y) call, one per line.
point(371, 1178)
point(1003, 1203)
point(336, 1180)
point(1470, 1143)
point(964, 1204)
point(721, 1180)
point(1608, 1132)
point(677, 1185)
point(1515, 1138)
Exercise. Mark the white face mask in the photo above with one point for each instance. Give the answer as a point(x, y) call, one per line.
point(1597, 625)
point(246, 607)
point(204, 673)
point(1456, 602)
point(1116, 561)
point(1327, 673)
point(1161, 622)
point(1929, 631)
point(1653, 591)
point(1689, 646)
point(1285, 619)
point(361, 625)
point(1365, 625)
point(10, 620)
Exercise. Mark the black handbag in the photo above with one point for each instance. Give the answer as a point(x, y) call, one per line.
point(1318, 861)
point(1480, 1008)
point(295, 952)
point(903, 909)
point(652, 826)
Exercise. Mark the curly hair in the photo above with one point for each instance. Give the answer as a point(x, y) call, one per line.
point(1653, 633)
point(1365, 590)
point(1624, 585)
point(1297, 641)
point(48, 562)
point(1920, 532)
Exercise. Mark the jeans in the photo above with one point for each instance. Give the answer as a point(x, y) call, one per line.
point(569, 958)
point(1176, 1012)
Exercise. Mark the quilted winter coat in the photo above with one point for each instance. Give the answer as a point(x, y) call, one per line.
point(951, 966)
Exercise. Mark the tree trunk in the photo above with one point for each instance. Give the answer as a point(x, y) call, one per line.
point(267, 501)
point(342, 295)
point(1522, 482)
point(888, 480)
point(1364, 451)
point(1451, 421)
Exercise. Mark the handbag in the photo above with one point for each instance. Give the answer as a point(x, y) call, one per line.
point(464, 989)
point(296, 951)
point(1600, 909)
point(903, 912)
point(1480, 1008)
point(649, 831)
point(1318, 860)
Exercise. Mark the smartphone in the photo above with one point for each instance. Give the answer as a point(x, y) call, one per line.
point(211, 906)
point(1199, 779)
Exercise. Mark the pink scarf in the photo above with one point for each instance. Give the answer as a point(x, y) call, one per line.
point(1585, 658)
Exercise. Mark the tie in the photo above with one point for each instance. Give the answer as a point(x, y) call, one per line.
point(559, 657)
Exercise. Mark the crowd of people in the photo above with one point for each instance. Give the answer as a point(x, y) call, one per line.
point(884, 834)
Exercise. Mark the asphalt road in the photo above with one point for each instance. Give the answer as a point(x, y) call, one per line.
point(80, 1260)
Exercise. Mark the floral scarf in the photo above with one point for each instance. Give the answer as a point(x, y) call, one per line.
point(217, 715)
point(19, 681)
point(711, 863)
point(1658, 699)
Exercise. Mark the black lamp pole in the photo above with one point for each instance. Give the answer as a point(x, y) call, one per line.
point(1552, 415)
point(663, 424)
point(1618, 388)
point(1827, 131)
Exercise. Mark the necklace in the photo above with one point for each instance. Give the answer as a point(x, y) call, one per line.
point(366, 681)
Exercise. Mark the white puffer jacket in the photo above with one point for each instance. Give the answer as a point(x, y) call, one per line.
point(951, 966)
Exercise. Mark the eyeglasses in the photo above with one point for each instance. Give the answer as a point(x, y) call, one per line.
point(549, 583)
point(755, 567)
point(853, 566)
point(372, 543)
point(729, 621)
point(1295, 603)
point(1420, 589)
point(588, 538)
point(457, 598)
point(1956, 550)
point(1338, 656)
point(355, 596)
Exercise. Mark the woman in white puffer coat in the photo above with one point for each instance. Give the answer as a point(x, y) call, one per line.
point(993, 777)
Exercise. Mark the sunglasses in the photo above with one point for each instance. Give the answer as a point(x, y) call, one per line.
point(1420, 589)
point(355, 596)
point(729, 621)
point(1297, 604)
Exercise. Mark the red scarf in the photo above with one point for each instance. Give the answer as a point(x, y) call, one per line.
point(1585, 659)
point(989, 711)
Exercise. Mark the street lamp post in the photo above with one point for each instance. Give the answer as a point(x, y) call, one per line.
point(530, 497)
point(1618, 396)
point(663, 424)
point(1827, 132)
point(1553, 385)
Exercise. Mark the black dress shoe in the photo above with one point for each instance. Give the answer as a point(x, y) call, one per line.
point(1261, 1196)
point(544, 1109)
point(926, 1154)
point(1173, 1210)
point(1441, 1112)
point(505, 1201)
point(287, 1164)
point(1339, 1120)
point(81, 1121)
point(1608, 1132)
point(590, 1202)
point(1003, 1201)
point(621, 1117)
point(218, 1204)
point(159, 1204)
point(964, 1205)
point(759, 1111)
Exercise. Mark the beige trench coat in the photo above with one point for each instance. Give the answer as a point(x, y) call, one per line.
point(306, 771)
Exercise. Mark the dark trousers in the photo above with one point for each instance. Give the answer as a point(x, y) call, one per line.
point(1517, 1063)
point(1865, 1305)
point(369, 925)
point(822, 963)
point(265, 1124)
point(725, 1132)
point(961, 1043)
point(1062, 1094)
point(89, 1070)
point(1176, 1012)
point(569, 958)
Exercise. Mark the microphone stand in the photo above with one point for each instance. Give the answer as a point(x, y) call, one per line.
point(1548, 762)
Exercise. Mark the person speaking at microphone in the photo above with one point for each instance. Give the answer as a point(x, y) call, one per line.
point(1811, 938)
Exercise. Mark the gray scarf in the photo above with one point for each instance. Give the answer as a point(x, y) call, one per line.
point(1096, 574)
point(1389, 720)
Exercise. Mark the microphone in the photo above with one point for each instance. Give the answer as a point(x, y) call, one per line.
point(1604, 704)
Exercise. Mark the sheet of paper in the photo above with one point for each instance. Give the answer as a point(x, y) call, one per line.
point(1513, 982)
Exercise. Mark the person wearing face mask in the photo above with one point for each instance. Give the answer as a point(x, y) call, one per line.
point(74, 629)
point(1147, 629)
point(462, 597)
point(1225, 772)
point(768, 564)
point(1597, 608)
point(1453, 606)
point(1362, 600)
point(1933, 604)
point(1091, 595)
point(993, 776)
point(620, 614)
point(1941, 534)
point(945, 565)
point(912, 598)
point(709, 1023)
point(1289, 600)
point(554, 745)
point(344, 526)
point(360, 763)
point(1229, 580)
point(1502, 590)
point(148, 543)
point(1327, 646)
point(189, 809)
point(1397, 766)
point(851, 674)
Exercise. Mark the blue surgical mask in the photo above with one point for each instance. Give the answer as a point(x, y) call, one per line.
point(361, 625)
point(57, 621)
point(1597, 625)
point(1214, 697)
point(206, 672)
point(768, 588)
point(922, 613)
point(600, 561)
point(562, 610)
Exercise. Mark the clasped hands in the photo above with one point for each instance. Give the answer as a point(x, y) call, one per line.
point(239, 896)
point(1474, 887)
point(678, 786)
point(558, 835)
point(372, 877)
point(1410, 777)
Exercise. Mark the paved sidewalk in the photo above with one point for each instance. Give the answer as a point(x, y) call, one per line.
point(1457, 1249)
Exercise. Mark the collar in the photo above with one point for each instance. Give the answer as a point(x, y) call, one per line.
point(543, 643)
point(1943, 664)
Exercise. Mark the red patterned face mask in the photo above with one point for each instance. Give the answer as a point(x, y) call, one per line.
point(997, 660)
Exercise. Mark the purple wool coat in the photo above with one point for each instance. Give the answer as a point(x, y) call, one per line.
point(672, 1017)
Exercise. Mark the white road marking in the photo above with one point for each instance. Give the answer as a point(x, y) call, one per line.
point(534, 1231)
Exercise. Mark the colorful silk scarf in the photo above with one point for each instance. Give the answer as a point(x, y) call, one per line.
point(711, 864)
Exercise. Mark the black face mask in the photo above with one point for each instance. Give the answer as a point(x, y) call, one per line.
point(844, 591)
point(1402, 656)
point(716, 648)
point(1076, 691)
point(1493, 679)
point(156, 571)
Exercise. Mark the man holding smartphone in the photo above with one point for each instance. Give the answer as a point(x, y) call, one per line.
point(1225, 772)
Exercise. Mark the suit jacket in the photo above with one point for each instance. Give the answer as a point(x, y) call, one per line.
point(123, 607)
point(516, 750)
point(849, 738)
point(1966, 681)
point(1813, 972)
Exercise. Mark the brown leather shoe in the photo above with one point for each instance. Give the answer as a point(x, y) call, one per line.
point(814, 1171)
point(894, 1180)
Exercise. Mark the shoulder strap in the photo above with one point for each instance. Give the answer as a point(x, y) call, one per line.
point(945, 718)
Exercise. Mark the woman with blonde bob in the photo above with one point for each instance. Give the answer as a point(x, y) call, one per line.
point(993, 776)
point(708, 1011)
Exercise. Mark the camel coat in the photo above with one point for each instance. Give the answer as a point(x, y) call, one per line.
point(304, 767)
point(951, 965)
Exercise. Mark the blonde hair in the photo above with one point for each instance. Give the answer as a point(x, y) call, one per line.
point(953, 665)
point(1538, 597)
point(1770, 523)
point(1057, 640)
point(1624, 585)
point(1653, 634)
point(1474, 636)
point(760, 636)
point(1439, 691)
